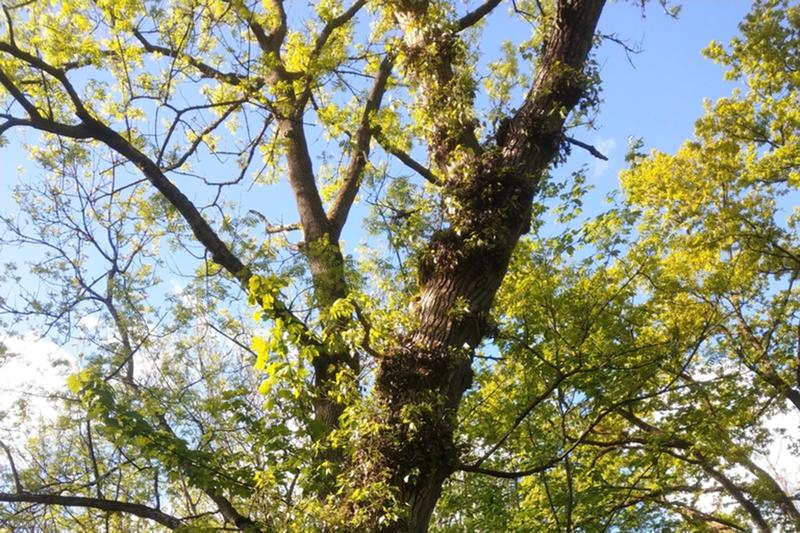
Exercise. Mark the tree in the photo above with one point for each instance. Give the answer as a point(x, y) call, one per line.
point(470, 350)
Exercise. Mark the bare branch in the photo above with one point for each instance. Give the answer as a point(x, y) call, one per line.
point(274, 228)
point(201, 137)
point(627, 48)
point(407, 160)
point(473, 17)
point(588, 147)
point(113, 506)
point(178, 120)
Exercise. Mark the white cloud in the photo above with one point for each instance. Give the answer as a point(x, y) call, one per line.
point(89, 321)
point(36, 368)
point(779, 459)
point(605, 147)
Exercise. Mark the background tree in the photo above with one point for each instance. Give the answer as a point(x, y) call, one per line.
point(471, 350)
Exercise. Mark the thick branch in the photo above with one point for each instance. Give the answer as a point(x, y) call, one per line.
point(113, 506)
point(36, 119)
point(697, 458)
point(91, 128)
point(738, 495)
point(797, 359)
point(358, 161)
point(57, 128)
point(220, 252)
point(464, 264)
point(473, 17)
point(694, 514)
point(58, 74)
point(270, 43)
point(777, 493)
point(588, 147)
point(301, 178)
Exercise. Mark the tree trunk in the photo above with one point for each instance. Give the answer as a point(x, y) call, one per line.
point(420, 382)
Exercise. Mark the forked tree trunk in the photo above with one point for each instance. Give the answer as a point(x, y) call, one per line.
point(420, 383)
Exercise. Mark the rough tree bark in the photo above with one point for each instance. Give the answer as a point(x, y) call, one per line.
point(429, 369)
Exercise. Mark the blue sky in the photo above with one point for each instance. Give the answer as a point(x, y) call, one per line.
point(661, 97)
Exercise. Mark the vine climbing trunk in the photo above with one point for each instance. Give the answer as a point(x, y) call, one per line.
point(421, 381)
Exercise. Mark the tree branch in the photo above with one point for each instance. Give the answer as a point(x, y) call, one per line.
point(274, 228)
point(542, 467)
point(335, 23)
point(691, 513)
point(627, 48)
point(205, 69)
point(14, 473)
point(513, 474)
point(522, 416)
point(270, 43)
point(58, 74)
point(535, 132)
point(113, 506)
point(588, 147)
point(407, 160)
point(337, 214)
point(472, 18)
point(776, 492)
point(697, 458)
point(200, 137)
point(225, 506)
point(92, 128)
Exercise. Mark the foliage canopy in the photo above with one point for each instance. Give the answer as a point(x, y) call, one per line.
point(484, 361)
